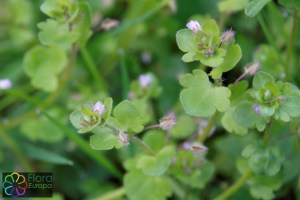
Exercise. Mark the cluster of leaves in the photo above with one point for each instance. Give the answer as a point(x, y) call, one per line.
point(69, 23)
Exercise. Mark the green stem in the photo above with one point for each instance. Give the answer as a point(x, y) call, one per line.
point(142, 145)
point(267, 132)
point(291, 40)
point(115, 194)
point(93, 68)
point(232, 189)
point(266, 31)
point(125, 76)
point(208, 128)
point(269, 37)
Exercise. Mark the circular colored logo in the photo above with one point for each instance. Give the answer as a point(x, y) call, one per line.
point(15, 185)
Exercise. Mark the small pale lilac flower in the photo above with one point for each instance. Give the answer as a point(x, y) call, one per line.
point(5, 84)
point(99, 108)
point(168, 121)
point(194, 26)
point(186, 146)
point(256, 108)
point(227, 36)
point(252, 68)
point(123, 137)
point(145, 80)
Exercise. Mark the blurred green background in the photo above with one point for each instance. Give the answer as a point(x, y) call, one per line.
point(143, 42)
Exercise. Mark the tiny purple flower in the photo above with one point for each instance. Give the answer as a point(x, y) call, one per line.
point(99, 108)
point(5, 84)
point(256, 108)
point(145, 80)
point(194, 26)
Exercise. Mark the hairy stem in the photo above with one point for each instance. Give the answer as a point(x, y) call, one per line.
point(202, 137)
point(232, 189)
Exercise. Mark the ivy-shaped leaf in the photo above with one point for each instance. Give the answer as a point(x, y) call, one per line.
point(200, 97)
point(43, 65)
point(232, 57)
point(156, 165)
point(140, 186)
point(104, 139)
point(128, 117)
point(55, 32)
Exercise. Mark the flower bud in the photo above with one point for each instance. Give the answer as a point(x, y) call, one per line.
point(194, 26)
point(252, 68)
point(199, 148)
point(5, 84)
point(168, 121)
point(99, 108)
point(123, 137)
point(227, 36)
point(145, 80)
point(108, 24)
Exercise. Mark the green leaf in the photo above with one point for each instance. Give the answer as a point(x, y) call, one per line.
point(269, 60)
point(290, 3)
point(213, 60)
point(188, 57)
point(291, 105)
point(43, 65)
point(255, 6)
point(108, 103)
point(104, 139)
point(200, 98)
point(128, 116)
point(232, 57)
point(83, 23)
point(156, 165)
point(222, 95)
point(211, 28)
point(55, 8)
point(140, 186)
point(56, 33)
point(40, 129)
point(191, 170)
point(245, 115)
point(260, 79)
point(263, 160)
point(231, 125)
point(155, 139)
point(75, 118)
point(41, 154)
point(185, 126)
point(186, 40)
point(232, 5)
